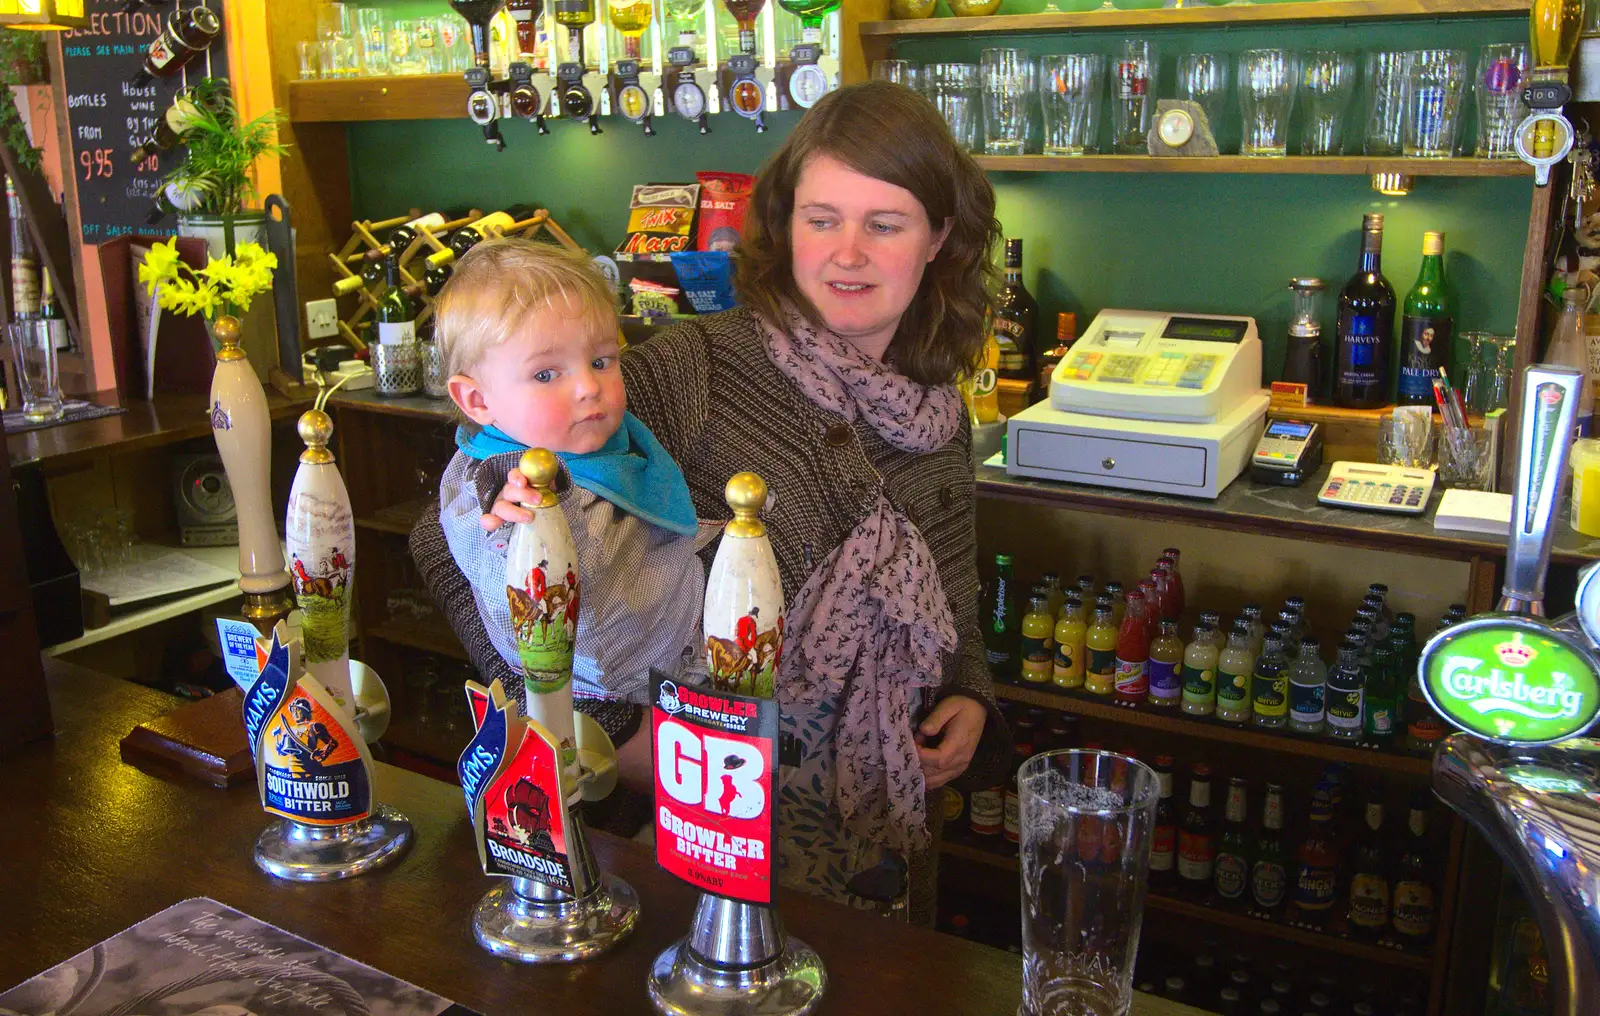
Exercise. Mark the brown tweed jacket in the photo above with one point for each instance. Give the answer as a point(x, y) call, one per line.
point(708, 391)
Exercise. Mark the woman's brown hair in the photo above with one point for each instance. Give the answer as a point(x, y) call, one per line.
point(888, 132)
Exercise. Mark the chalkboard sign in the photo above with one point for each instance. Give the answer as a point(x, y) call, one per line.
point(108, 117)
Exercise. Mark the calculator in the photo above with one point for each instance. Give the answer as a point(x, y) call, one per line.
point(1371, 487)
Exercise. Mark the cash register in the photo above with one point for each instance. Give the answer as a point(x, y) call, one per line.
point(1148, 400)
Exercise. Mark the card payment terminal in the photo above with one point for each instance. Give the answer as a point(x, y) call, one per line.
point(1148, 400)
point(1288, 452)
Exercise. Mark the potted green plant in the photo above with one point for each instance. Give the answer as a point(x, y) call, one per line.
point(22, 62)
point(212, 187)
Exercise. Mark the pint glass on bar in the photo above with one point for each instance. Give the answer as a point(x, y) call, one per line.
point(1086, 822)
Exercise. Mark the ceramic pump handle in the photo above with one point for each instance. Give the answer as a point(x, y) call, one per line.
point(319, 533)
point(743, 622)
point(242, 428)
point(1544, 440)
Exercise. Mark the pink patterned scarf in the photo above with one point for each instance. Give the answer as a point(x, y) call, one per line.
point(872, 624)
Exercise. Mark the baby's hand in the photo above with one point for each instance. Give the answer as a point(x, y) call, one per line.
point(508, 507)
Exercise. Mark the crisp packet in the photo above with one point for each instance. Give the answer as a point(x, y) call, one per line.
point(706, 278)
point(724, 197)
point(651, 299)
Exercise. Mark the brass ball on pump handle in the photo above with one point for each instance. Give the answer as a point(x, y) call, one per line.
point(540, 467)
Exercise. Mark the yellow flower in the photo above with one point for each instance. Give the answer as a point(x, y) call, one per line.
point(159, 265)
point(204, 300)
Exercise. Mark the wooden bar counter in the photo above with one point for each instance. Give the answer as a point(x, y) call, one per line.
point(90, 845)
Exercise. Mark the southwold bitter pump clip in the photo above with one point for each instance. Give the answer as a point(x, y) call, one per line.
point(523, 778)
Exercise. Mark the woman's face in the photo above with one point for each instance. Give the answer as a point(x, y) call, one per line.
point(859, 247)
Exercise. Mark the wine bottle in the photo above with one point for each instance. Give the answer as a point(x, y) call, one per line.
point(1426, 326)
point(24, 259)
point(187, 107)
point(1366, 326)
point(472, 234)
point(1015, 313)
point(396, 313)
point(186, 34)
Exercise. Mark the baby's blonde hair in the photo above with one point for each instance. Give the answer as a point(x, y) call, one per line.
point(500, 283)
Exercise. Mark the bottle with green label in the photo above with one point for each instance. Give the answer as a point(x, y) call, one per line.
point(1414, 908)
point(1385, 696)
point(1369, 881)
point(1347, 689)
point(1426, 326)
point(1000, 622)
point(1235, 664)
point(1199, 672)
point(396, 315)
point(1269, 683)
point(1037, 654)
point(1232, 872)
point(1308, 684)
point(1269, 875)
point(1100, 643)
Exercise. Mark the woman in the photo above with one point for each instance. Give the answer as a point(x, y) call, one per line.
point(864, 273)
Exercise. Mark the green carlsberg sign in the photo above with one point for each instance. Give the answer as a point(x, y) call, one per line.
point(1512, 680)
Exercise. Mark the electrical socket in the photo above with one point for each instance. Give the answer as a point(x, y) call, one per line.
point(322, 318)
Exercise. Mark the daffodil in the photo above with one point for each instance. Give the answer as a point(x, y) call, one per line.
point(159, 265)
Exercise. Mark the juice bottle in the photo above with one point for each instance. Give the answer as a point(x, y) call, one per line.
point(1200, 670)
point(1100, 641)
point(985, 389)
point(1067, 670)
point(1162, 577)
point(1152, 607)
point(1169, 557)
point(1052, 589)
point(1234, 666)
point(1269, 683)
point(1133, 653)
point(1166, 659)
point(1086, 589)
point(1251, 613)
point(1036, 631)
point(1118, 602)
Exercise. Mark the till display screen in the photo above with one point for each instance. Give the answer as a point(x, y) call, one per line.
point(1287, 428)
point(1205, 329)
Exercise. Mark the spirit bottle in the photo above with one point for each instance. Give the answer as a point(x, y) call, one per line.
point(631, 18)
point(1426, 327)
point(745, 12)
point(187, 33)
point(810, 13)
point(1366, 327)
point(525, 14)
point(1013, 319)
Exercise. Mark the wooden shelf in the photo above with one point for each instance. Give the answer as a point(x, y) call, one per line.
point(1226, 918)
point(1333, 165)
point(1213, 730)
point(430, 638)
point(411, 97)
point(1188, 17)
point(396, 518)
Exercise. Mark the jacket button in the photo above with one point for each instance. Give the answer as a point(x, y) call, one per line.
point(947, 497)
point(838, 435)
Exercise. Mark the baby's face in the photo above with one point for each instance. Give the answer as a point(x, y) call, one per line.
point(557, 385)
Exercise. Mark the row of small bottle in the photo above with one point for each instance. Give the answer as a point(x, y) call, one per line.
point(1241, 985)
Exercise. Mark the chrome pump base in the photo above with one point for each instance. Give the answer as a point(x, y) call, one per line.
point(307, 853)
point(736, 962)
point(529, 922)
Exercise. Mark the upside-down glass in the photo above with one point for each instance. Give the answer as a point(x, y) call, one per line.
point(901, 72)
point(1434, 84)
point(1071, 87)
point(1479, 372)
point(1203, 79)
point(1085, 826)
point(953, 90)
point(1009, 84)
point(1502, 73)
point(1133, 95)
point(1385, 102)
point(33, 355)
point(1267, 81)
point(1328, 80)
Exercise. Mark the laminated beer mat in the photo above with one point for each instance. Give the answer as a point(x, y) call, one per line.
point(200, 958)
point(75, 412)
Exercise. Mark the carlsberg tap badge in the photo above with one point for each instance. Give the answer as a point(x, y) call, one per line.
point(1511, 680)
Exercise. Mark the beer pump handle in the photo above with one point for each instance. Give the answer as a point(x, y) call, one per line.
point(1544, 439)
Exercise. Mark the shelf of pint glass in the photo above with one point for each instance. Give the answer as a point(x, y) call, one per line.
point(1256, 14)
point(1277, 927)
point(430, 638)
point(396, 518)
point(406, 97)
point(1327, 165)
point(1177, 722)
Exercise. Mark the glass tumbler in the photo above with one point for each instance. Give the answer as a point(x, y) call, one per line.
point(310, 54)
point(404, 57)
point(1385, 103)
point(1502, 72)
point(1071, 87)
point(33, 355)
point(1009, 84)
point(1434, 83)
point(1085, 827)
point(901, 72)
point(1133, 95)
point(1203, 79)
point(374, 29)
point(1328, 80)
point(1267, 80)
point(953, 90)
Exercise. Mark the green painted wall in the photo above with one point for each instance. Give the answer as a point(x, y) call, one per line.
point(1198, 242)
